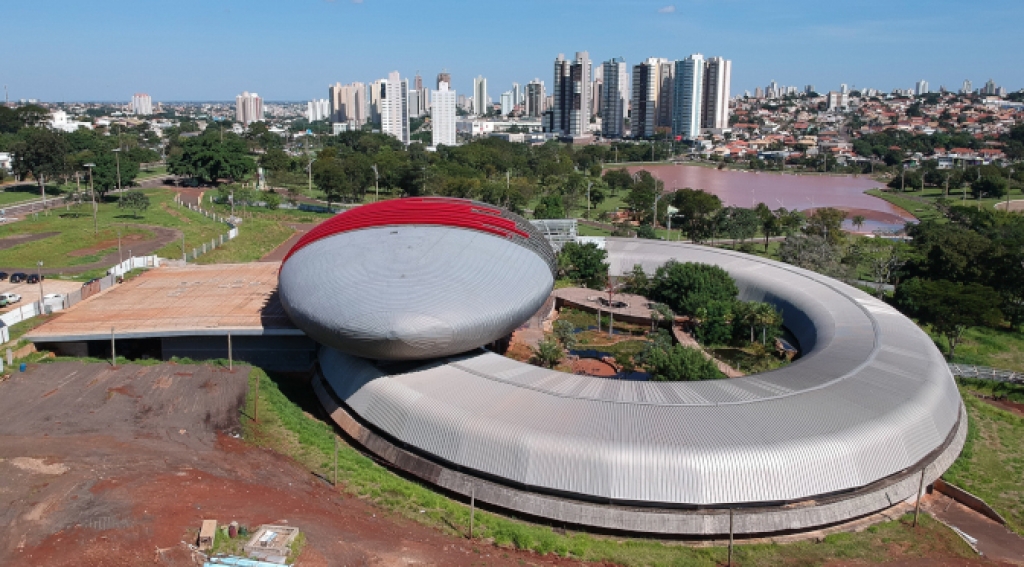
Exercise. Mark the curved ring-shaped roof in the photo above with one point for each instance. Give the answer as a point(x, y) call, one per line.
point(870, 397)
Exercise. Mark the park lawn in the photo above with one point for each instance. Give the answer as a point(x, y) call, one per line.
point(75, 231)
point(991, 464)
point(256, 238)
point(286, 425)
point(13, 194)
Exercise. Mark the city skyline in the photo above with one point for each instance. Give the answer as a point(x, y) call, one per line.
point(793, 44)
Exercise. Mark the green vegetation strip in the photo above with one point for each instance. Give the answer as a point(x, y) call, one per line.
point(991, 464)
point(287, 427)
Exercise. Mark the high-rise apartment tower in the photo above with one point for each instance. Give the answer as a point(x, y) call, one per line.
point(535, 97)
point(572, 96)
point(615, 98)
point(688, 96)
point(442, 115)
point(142, 104)
point(394, 107)
point(480, 96)
point(248, 108)
point(717, 82)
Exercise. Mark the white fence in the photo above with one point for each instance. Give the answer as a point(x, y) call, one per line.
point(205, 247)
point(134, 263)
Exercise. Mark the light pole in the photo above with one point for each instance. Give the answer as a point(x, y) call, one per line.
point(39, 274)
point(376, 184)
point(92, 192)
point(589, 185)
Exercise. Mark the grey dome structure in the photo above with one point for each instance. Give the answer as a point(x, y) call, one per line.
point(868, 412)
point(412, 279)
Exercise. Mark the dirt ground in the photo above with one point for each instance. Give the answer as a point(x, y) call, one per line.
point(104, 466)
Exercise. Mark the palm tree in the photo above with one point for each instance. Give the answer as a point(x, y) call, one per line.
point(765, 315)
point(858, 221)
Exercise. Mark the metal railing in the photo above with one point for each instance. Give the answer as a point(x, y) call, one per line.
point(986, 373)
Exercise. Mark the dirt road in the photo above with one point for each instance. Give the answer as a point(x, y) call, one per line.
point(105, 466)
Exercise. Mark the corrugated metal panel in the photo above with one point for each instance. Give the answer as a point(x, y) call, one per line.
point(870, 397)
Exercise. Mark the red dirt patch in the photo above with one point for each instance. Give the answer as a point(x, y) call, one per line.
point(12, 241)
point(593, 367)
point(107, 245)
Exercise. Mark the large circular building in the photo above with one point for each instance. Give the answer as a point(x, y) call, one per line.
point(851, 428)
point(416, 278)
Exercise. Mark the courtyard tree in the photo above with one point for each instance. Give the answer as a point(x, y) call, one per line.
point(548, 353)
point(584, 264)
point(686, 287)
point(679, 363)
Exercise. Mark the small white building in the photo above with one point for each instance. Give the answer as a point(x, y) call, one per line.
point(59, 121)
point(6, 162)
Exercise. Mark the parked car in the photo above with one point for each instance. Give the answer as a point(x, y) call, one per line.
point(10, 297)
point(33, 278)
point(18, 277)
point(3, 276)
point(53, 297)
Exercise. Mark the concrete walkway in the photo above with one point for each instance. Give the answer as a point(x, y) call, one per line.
point(994, 540)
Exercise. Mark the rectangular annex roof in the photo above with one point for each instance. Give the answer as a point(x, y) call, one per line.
point(217, 299)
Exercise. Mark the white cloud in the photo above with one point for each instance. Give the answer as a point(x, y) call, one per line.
point(667, 9)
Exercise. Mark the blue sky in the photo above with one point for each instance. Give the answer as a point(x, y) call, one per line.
point(291, 50)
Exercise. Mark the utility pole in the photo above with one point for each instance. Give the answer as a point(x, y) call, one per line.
point(117, 158)
point(589, 185)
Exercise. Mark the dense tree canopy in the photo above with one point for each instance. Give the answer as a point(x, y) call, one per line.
point(686, 287)
point(950, 308)
point(584, 264)
point(211, 157)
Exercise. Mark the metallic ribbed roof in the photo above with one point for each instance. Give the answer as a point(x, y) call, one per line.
point(870, 397)
point(410, 292)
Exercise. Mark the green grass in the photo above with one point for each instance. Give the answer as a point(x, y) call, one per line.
point(585, 230)
point(287, 426)
point(260, 237)
point(154, 172)
point(12, 194)
point(991, 464)
point(75, 232)
point(257, 235)
point(983, 346)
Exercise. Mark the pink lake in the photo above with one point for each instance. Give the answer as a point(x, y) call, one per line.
point(800, 192)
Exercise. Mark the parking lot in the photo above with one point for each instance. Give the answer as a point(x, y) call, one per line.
point(30, 292)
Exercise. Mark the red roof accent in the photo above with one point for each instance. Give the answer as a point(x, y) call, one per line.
point(436, 211)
